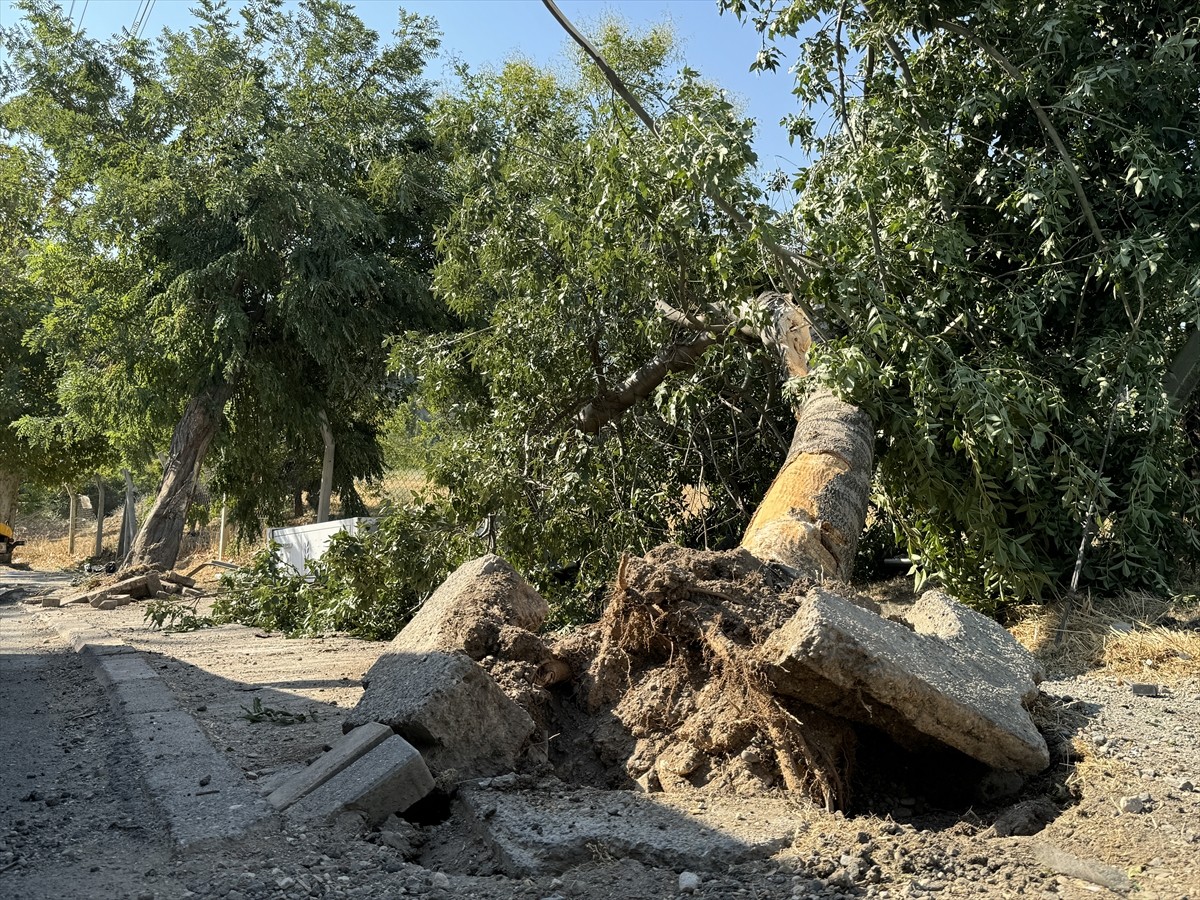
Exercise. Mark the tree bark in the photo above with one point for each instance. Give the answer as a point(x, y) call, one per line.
point(814, 511)
point(326, 470)
point(157, 543)
point(10, 485)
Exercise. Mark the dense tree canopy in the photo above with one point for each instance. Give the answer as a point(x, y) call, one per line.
point(253, 200)
point(579, 246)
point(1006, 215)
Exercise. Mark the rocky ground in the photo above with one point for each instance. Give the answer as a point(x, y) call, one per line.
point(1117, 814)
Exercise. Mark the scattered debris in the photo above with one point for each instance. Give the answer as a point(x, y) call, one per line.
point(256, 713)
point(1064, 863)
point(707, 671)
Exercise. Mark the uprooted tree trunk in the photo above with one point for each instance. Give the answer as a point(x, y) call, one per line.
point(157, 543)
point(814, 511)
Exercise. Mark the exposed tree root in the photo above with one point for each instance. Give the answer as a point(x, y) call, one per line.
point(676, 664)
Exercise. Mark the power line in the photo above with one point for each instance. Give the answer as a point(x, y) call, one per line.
point(146, 16)
point(82, 13)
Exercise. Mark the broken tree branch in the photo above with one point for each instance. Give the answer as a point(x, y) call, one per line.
point(612, 405)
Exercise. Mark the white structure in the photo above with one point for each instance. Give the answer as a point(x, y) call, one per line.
point(302, 543)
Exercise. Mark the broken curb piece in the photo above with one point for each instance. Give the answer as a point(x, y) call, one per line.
point(388, 779)
point(349, 748)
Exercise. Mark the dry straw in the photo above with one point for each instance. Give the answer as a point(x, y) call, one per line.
point(1135, 635)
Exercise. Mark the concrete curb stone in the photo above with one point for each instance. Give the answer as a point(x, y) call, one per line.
point(204, 798)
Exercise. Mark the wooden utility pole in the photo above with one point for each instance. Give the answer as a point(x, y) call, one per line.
point(72, 503)
point(99, 548)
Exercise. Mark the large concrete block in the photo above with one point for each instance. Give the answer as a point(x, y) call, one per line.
point(351, 746)
point(448, 707)
point(388, 779)
point(467, 612)
point(961, 682)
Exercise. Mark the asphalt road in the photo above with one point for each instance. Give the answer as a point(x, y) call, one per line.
point(74, 818)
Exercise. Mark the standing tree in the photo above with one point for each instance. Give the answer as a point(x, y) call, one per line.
point(37, 442)
point(258, 197)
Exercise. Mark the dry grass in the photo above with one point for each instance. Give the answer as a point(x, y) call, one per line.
point(1133, 635)
point(397, 488)
point(47, 547)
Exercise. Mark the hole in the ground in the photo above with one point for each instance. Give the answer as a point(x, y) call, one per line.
point(936, 778)
point(433, 809)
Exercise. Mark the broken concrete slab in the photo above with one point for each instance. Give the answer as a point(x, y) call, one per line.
point(552, 828)
point(470, 608)
point(351, 746)
point(388, 779)
point(448, 707)
point(995, 653)
point(842, 658)
point(178, 579)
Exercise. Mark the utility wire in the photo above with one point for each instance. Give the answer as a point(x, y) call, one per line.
point(146, 17)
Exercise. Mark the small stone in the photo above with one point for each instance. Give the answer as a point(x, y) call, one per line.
point(1186, 787)
point(1132, 805)
point(440, 880)
point(205, 781)
point(1144, 690)
point(1122, 627)
point(689, 882)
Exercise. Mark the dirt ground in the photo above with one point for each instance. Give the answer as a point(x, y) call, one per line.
point(1118, 807)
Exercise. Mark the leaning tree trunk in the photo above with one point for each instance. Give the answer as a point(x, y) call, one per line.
point(10, 485)
point(814, 511)
point(157, 543)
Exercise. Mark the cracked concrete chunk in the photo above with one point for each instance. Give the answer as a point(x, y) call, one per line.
point(349, 748)
point(470, 608)
point(448, 707)
point(957, 677)
point(388, 779)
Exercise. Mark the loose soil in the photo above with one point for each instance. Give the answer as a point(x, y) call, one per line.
point(1119, 796)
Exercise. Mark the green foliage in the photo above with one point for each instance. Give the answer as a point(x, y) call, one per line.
point(266, 594)
point(1006, 219)
point(174, 616)
point(246, 214)
point(573, 224)
point(367, 585)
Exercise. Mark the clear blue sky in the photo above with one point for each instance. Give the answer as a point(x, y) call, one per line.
point(483, 32)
